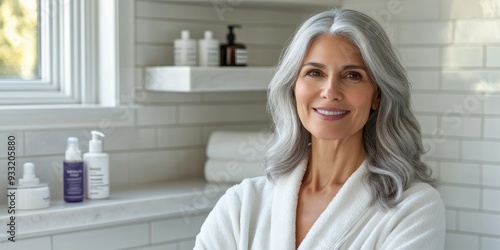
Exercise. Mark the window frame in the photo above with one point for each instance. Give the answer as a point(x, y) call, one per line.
point(67, 57)
point(110, 31)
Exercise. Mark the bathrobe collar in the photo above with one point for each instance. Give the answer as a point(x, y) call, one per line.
point(348, 209)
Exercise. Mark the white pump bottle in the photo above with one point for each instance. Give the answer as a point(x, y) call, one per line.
point(96, 169)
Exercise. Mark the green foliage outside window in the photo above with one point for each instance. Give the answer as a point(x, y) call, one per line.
point(19, 43)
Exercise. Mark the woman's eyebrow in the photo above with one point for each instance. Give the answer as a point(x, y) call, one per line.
point(345, 67)
point(314, 64)
point(353, 66)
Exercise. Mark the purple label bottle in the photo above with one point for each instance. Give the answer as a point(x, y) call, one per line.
point(73, 181)
point(73, 172)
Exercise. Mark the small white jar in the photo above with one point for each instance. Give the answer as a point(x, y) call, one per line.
point(30, 193)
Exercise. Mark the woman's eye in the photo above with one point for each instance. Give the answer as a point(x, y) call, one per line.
point(353, 76)
point(314, 73)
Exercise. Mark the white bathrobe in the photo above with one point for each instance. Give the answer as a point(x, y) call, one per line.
point(257, 214)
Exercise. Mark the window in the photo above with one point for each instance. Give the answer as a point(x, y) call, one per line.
point(19, 50)
point(86, 55)
point(47, 52)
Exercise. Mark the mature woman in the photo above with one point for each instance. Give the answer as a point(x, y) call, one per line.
point(344, 170)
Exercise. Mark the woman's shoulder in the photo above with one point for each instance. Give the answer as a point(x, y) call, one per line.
point(251, 189)
point(420, 195)
point(422, 190)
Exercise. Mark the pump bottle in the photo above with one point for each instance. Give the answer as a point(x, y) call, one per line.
point(232, 53)
point(96, 169)
point(73, 172)
point(185, 51)
point(209, 50)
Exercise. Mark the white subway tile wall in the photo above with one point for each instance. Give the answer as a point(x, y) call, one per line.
point(428, 124)
point(223, 113)
point(156, 115)
point(447, 104)
point(476, 31)
point(449, 47)
point(469, 9)
point(462, 56)
point(167, 138)
point(490, 200)
point(492, 102)
point(490, 243)
point(493, 56)
point(480, 81)
point(42, 243)
point(180, 228)
point(491, 175)
point(481, 151)
point(462, 197)
point(166, 98)
point(104, 238)
point(179, 137)
point(422, 57)
point(442, 147)
point(170, 246)
point(186, 245)
point(460, 173)
point(424, 79)
point(479, 223)
point(17, 137)
point(491, 128)
point(3, 184)
point(424, 33)
point(451, 221)
point(463, 127)
point(251, 96)
point(461, 242)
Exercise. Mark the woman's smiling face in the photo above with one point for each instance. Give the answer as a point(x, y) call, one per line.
point(334, 92)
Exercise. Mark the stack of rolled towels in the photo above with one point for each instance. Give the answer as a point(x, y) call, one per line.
point(235, 155)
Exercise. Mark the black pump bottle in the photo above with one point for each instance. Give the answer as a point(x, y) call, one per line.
point(231, 53)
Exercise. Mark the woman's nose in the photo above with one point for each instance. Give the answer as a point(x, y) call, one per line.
point(331, 90)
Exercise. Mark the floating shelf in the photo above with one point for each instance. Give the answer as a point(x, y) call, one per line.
point(207, 79)
point(271, 3)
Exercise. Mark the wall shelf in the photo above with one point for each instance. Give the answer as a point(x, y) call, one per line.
point(207, 79)
point(125, 205)
point(265, 3)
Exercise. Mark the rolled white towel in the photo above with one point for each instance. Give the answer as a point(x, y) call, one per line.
point(232, 171)
point(238, 145)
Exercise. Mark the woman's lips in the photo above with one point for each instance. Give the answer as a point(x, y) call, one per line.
point(330, 114)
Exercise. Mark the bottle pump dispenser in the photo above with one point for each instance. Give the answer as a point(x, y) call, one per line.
point(232, 53)
point(96, 168)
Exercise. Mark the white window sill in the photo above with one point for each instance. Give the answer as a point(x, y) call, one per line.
point(14, 118)
point(184, 199)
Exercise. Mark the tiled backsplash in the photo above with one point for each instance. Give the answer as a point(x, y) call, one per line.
point(449, 47)
point(164, 234)
point(164, 149)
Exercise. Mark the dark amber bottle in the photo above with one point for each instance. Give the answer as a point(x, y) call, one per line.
point(231, 53)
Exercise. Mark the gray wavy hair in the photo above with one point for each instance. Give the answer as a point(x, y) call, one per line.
point(391, 136)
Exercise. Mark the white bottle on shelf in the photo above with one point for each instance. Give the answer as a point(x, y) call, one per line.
point(209, 51)
point(185, 50)
point(96, 169)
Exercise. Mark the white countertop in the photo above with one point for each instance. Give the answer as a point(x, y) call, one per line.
point(179, 198)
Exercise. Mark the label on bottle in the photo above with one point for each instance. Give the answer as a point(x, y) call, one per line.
point(73, 181)
point(241, 56)
point(98, 181)
point(185, 55)
point(213, 57)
